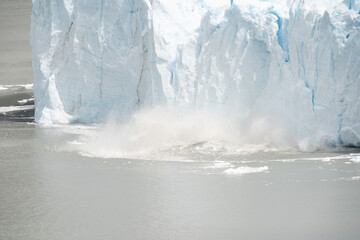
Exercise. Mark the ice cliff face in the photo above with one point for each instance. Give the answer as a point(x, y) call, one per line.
point(290, 63)
point(91, 58)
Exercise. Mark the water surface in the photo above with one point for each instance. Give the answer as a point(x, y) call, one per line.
point(49, 193)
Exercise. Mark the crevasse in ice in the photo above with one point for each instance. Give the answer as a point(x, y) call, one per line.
point(295, 62)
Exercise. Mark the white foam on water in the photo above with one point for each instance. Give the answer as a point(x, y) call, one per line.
point(321, 159)
point(27, 86)
point(246, 170)
point(354, 178)
point(17, 86)
point(219, 165)
point(16, 108)
point(24, 101)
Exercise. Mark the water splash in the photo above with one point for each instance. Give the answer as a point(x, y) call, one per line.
point(163, 133)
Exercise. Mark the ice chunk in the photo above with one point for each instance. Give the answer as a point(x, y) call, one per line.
point(245, 170)
point(219, 164)
point(355, 159)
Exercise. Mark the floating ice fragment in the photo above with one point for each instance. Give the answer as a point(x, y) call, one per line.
point(24, 101)
point(246, 170)
point(355, 159)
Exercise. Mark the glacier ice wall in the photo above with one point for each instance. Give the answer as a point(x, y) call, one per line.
point(293, 64)
point(91, 58)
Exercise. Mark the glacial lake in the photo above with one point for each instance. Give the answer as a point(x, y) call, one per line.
point(48, 191)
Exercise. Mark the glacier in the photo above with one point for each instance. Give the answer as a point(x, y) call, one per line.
point(292, 64)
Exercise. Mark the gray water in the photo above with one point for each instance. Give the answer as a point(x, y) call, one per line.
point(47, 193)
point(15, 50)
